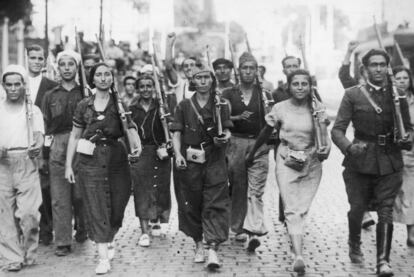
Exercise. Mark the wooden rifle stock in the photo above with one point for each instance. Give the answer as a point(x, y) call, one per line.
point(29, 109)
point(217, 99)
point(321, 130)
point(402, 134)
point(84, 83)
point(133, 142)
point(162, 112)
point(233, 59)
point(267, 102)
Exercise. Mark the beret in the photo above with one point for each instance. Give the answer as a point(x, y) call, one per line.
point(219, 61)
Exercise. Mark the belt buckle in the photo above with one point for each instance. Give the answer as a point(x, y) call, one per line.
point(382, 140)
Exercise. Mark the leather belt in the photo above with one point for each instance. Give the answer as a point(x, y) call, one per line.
point(381, 140)
point(241, 135)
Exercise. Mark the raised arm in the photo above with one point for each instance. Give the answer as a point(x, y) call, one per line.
point(169, 59)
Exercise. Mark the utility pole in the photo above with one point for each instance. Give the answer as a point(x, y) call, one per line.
point(100, 21)
point(46, 28)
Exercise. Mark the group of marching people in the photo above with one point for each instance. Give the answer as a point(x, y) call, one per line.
point(64, 156)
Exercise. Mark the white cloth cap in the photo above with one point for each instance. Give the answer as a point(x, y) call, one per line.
point(69, 53)
point(15, 68)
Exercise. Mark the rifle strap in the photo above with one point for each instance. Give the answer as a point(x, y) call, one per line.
point(364, 91)
point(199, 117)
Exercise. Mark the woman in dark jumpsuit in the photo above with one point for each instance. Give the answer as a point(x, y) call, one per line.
point(104, 174)
point(151, 175)
point(202, 188)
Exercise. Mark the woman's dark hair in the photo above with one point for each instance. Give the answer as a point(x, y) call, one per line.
point(398, 69)
point(144, 77)
point(299, 72)
point(93, 70)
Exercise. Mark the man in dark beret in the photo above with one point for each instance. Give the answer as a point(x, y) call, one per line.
point(222, 70)
point(373, 160)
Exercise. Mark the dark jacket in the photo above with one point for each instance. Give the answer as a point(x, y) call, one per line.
point(368, 124)
point(345, 77)
point(45, 85)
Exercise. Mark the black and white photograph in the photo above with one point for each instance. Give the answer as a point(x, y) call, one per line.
point(195, 138)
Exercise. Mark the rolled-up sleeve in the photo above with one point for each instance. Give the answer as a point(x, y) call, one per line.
point(272, 117)
point(78, 119)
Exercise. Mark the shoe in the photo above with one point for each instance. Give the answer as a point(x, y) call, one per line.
point(384, 270)
point(103, 267)
point(199, 255)
point(62, 251)
point(367, 221)
point(299, 265)
point(111, 251)
point(241, 237)
point(144, 240)
point(13, 267)
point(253, 243)
point(355, 253)
point(156, 230)
point(212, 261)
point(81, 236)
point(410, 243)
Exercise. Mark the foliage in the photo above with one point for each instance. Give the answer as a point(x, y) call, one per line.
point(15, 10)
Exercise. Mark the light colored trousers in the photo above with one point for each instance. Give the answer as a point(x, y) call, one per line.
point(247, 186)
point(20, 199)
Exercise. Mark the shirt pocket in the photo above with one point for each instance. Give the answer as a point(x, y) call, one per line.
point(56, 109)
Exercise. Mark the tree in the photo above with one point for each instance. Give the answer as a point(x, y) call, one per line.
point(16, 10)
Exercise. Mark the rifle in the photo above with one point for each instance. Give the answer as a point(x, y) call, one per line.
point(268, 103)
point(133, 142)
point(165, 150)
point(233, 59)
point(29, 110)
point(401, 133)
point(218, 101)
point(318, 109)
point(82, 76)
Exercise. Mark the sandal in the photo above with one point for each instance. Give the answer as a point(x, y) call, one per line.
point(144, 240)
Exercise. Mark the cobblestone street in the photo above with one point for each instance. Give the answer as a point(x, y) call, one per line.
point(325, 245)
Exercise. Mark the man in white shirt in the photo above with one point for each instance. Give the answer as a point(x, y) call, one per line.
point(180, 84)
point(20, 193)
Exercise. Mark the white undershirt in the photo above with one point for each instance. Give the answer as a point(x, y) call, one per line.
point(34, 84)
point(13, 126)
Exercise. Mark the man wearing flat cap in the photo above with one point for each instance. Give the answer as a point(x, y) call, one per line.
point(247, 184)
point(373, 160)
point(58, 107)
point(222, 70)
point(20, 192)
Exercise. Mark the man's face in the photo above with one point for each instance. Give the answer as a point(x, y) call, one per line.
point(146, 88)
point(223, 73)
point(203, 82)
point(188, 66)
point(261, 71)
point(377, 69)
point(130, 87)
point(14, 87)
point(290, 65)
point(67, 68)
point(88, 64)
point(248, 71)
point(35, 61)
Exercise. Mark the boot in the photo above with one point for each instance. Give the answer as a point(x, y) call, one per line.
point(384, 239)
point(354, 241)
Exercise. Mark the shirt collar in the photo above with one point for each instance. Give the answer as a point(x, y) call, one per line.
point(376, 88)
